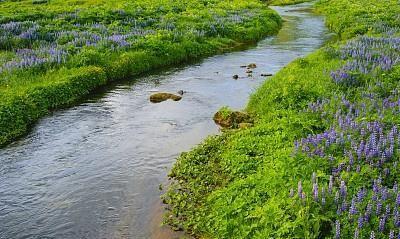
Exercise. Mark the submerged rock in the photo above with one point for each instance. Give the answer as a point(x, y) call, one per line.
point(181, 92)
point(160, 97)
point(252, 66)
point(266, 74)
point(235, 77)
point(249, 71)
point(229, 119)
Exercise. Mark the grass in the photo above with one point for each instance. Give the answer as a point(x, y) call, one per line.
point(291, 176)
point(66, 49)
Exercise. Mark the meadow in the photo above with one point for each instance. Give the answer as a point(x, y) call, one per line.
point(322, 160)
point(53, 53)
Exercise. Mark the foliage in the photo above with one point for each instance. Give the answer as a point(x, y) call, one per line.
point(322, 158)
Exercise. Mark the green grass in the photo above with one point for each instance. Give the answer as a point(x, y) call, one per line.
point(237, 185)
point(112, 40)
point(351, 18)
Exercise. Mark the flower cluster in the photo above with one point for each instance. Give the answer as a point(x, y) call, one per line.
point(26, 58)
point(45, 42)
point(361, 143)
point(366, 55)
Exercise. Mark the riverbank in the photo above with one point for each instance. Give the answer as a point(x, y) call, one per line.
point(321, 159)
point(53, 54)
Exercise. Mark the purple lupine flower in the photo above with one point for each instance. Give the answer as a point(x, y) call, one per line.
point(330, 186)
point(360, 221)
point(315, 191)
point(384, 194)
point(337, 197)
point(391, 234)
point(356, 234)
point(372, 236)
point(343, 189)
point(386, 172)
point(378, 207)
point(375, 186)
point(388, 210)
point(303, 196)
point(396, 217)
point(337, 229)
point(382, 222)
point(344, 206)
point(299, 189)
point(368, 212)
point(314, 178)
point(361, 195)
point(353, 207)
point(291, 193)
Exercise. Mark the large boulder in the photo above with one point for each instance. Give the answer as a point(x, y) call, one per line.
point(160, 97)
point(229, 119)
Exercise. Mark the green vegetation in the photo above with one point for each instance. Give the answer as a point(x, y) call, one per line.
point(322, 158)
point(55, 52)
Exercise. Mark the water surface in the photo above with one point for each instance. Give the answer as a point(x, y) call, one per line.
point(93, 171)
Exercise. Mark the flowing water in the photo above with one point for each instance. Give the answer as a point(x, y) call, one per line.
point(93, 171)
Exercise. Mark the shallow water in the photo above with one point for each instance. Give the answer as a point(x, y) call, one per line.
point(93, 171)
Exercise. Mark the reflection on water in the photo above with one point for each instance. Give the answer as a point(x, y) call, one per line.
point(93, 171)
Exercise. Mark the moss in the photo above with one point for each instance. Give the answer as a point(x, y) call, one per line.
point(229, 119)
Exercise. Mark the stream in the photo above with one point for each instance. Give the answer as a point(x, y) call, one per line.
point(94, 170)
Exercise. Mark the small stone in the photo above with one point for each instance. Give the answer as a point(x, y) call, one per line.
point(111, 208)
point(243, 66)
point(252, 66)
point(249, 71)
point(266, 74)
point(235, 77)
